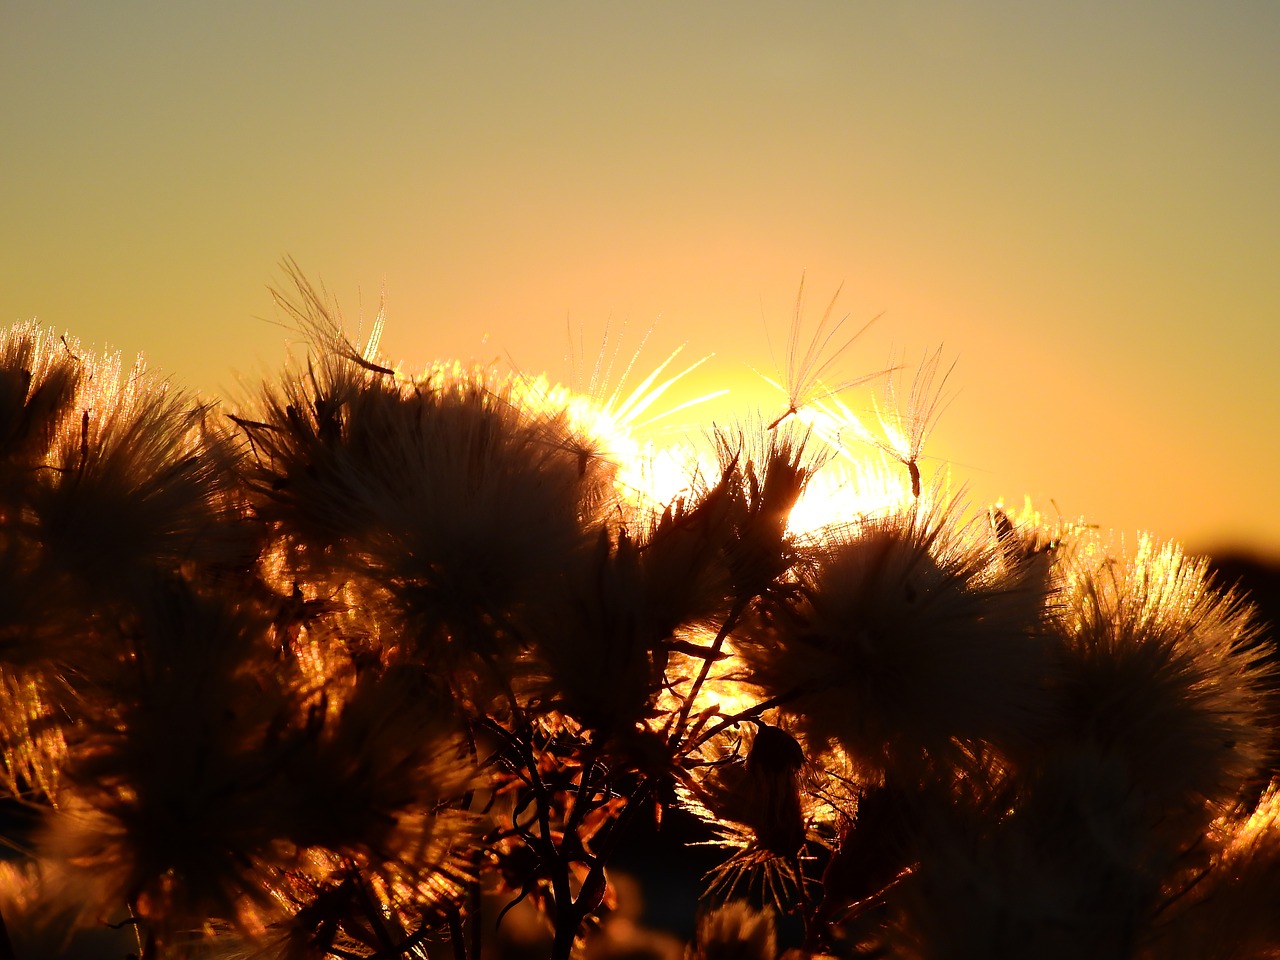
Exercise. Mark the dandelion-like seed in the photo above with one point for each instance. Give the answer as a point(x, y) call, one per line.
point(808, 368)
point(165, 802)
point(907, 428)
point(904, 425)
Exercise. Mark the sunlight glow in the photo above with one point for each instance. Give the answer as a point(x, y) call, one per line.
point(861, 477)
point(845, 490)
point(647, 474)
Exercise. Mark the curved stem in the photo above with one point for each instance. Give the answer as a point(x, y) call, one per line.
point(751, 713)
point(711, 657)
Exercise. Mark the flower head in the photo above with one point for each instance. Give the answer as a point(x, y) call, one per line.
point(903, 640)
point(443, 496)
point(1161, 674)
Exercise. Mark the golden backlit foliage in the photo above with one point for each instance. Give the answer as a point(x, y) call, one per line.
point(315, 675)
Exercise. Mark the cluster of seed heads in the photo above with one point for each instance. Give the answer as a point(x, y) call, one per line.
point(361, 666)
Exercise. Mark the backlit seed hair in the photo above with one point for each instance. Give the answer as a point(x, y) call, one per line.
point(734, 931)
point(443, 493)
point(1227, 911)
point(166, 802)
point(903, 640)
point(106, 480)
point(1161, 673)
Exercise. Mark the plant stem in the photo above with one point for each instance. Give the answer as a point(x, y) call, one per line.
point(457, 937)
point(477, 922)
point(6, 945)
point(730, 622)
point(750, 713)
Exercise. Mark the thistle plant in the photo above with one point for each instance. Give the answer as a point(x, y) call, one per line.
point(355, 667)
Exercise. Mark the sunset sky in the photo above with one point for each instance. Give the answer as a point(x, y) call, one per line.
point(1079, 202)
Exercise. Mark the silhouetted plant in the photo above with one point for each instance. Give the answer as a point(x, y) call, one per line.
point(321, 677)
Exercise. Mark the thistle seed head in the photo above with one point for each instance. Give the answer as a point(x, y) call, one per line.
point(734, 931)
point(903, 640)
point(1161, 672)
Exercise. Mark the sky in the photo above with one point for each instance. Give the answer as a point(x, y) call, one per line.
point(1079, 203)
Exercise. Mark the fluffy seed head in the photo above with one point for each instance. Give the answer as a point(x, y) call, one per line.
point(1161, 673)
point(166, 800)
point(1227, 912)
point(904, 639)
point(735, 931)
point(445, 493)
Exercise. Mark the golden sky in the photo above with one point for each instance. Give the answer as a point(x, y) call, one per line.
point(1079, 202)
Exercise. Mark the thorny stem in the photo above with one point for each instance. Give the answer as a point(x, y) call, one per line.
point(566, 934)
point(751, 713)
point(637, 800)
point(593, 887)
point(564, 916)
point(730, 622)
point(567, 913)
point(542, 799)
point(410, 943)
point(146, 945)
point(372, 912)
point(822, 919)
point(582, 797)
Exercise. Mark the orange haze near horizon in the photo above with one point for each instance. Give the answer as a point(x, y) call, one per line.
point(1078, 203)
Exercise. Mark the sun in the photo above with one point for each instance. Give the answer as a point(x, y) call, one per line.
point(845, 490)
point(857, 474)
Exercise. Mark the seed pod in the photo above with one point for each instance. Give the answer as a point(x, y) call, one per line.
point(773, 790)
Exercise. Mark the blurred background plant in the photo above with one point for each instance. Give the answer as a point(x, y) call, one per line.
point(383, 665)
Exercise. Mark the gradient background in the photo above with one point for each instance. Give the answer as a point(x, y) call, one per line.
point(1081, 202)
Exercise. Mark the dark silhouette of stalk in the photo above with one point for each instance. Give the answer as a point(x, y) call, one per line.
point(6, 945)
point(710, 657)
